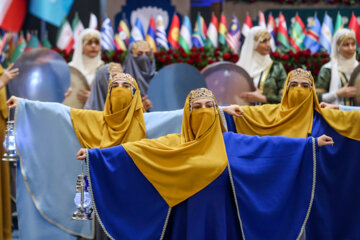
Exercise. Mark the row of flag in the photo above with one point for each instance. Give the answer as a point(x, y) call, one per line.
point(298, 37)
point(12, 45)
point(318, 36)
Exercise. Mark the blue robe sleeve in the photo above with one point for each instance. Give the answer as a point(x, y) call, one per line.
point(349, 108)
point(128, 206)
point(336, 212)
point(274, 182)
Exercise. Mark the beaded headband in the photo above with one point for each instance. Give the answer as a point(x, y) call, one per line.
point(140, 45)
point(200, 93)
point(300, 73)
point(262, 35)
point(124, 77)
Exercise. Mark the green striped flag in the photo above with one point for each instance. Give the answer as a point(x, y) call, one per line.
point(338, 23)
point(21, 44)
point(282, 35)
point(297, 34)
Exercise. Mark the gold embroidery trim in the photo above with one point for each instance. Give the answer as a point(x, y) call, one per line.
point(264, 77)
point(344, 82)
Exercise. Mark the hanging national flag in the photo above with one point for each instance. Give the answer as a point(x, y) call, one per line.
point(326, 33)
point(222, 30)
point(297, 34)
point(338, 23)
point(204, 29)
point(233, 36)
point(312, 36)
point(246, 26)
point(212, 33)
point(123, 30)
point(196, 37)
point(107, 35)
point(282, 35)
point(12, 14)
point(65, 39)
point(150, 36)
point(271, 27)
point(173, 35)
point(33, 43)
point(137, 32)
point(354, 26)
point(119, 43)
point(262, 22)
point(93, 22)
point(77, 26)
point(161, 39)
point(185, 35)
point(46, 43)
point(20, 47)
point(51, 11)
point(3, 43)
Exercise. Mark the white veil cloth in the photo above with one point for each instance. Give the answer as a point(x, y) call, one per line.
point(253, 62)
point(86, 65)
point(336, 64)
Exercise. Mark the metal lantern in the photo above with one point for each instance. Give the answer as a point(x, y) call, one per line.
point(82, 197)
point(10, 154)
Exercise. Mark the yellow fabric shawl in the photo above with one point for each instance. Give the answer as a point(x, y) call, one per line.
point(96, 129)
point(180, 165)
point(281, 120)
point(5, 204)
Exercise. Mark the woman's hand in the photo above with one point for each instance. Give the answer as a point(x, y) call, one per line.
point(83, 95)
point(328, 105)
point(8, 74)
point(146, 103)
point(12, 102)
point(234, 110)
point(253, 97)
point(346, 91)
point(81, 154)
point(324, 140)
point(68, 92)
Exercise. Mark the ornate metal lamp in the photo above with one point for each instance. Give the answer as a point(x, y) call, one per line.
point(82, 197)
point(10, 154)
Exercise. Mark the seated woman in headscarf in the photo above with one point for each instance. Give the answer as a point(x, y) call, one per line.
point(99, 90)
point(184, 186)
point(140, 63)
point(332, 83)
point(87, 59)
point(299, 115)
point(268, 76)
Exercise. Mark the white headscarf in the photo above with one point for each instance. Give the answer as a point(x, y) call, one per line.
point(252, 61)
point(339, 63)
point(86, 65)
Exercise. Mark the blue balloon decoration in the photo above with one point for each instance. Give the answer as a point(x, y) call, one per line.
point(43, 75)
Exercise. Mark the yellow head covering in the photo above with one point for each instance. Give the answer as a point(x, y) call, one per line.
point(121, 121)
point(180, 165)
point(293, 117)
point(3, 107)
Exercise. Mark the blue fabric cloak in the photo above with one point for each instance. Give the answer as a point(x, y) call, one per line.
point(48, 169)
point(336, 212)
point(266, 192)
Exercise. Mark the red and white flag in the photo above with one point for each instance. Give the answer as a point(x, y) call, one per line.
point(65, 39)
point(262, 22)
point(246, 26)
point(93, 22)
point(12, 14)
